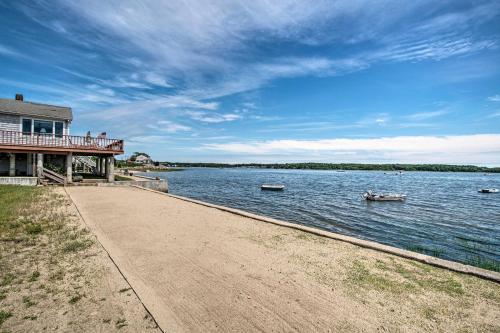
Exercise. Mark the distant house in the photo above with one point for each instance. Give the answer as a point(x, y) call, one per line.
point(142, 159)
point(34, 136)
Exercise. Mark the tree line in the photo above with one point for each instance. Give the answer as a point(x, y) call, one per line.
point(344, 166)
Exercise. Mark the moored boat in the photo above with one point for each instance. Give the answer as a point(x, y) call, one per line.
point(370, 196)
point(488, 190)
point(270, 187)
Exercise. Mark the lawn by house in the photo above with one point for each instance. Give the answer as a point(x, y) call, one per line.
point(54, 276)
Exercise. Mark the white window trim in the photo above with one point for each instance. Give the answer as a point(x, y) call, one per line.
point(65, 125)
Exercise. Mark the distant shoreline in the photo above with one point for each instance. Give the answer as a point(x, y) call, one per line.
point(344, 166)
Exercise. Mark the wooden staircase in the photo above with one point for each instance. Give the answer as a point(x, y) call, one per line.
point(84, 163)
point(50, 177)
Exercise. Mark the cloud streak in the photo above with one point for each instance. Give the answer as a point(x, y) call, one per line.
point(427, 115)
point(213, 118)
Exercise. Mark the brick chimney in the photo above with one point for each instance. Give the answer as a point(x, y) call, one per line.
point(19, 97)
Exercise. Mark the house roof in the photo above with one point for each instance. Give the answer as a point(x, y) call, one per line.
point(12, 106)
point(141, 157)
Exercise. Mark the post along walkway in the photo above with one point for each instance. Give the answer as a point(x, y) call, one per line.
point(200, 269)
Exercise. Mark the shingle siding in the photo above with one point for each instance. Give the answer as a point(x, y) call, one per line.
point(9, 122)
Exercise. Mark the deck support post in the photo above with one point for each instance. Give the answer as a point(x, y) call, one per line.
point(102, 160)
point(98, 166)
point(29, 164)
point(33, 164)
point(12, 165)
point(110, 168)
point(69, 168)
point(39, 165)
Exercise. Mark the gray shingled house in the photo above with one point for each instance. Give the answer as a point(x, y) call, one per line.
point(35, 143)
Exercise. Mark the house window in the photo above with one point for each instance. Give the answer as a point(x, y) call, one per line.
point(26, 126)
point(42, 127)
point(58, 127)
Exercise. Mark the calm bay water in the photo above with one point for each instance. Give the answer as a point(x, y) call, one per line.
point(442, 216)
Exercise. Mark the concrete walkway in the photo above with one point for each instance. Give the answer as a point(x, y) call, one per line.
point(199, 269)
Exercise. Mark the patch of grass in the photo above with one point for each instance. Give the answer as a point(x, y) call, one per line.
point(493, 295)
point(74, 299)
point(30, 317)
point(122, 178)
point(277, 238)
point(426, 280)
point(34, 276)
point(76, 245)
point(421, 276)
point(121, 323)
point(28, 302)
point(485, 263)
point(424, 267)
point(429, 313)
point(33, 229)
point(359, 275)
point(124, 290)
point(310, 237)
point(7, 279)
point(434, 252)
point(4, 315)
point(37, 230)
point(57, 276)
point(449, 286)
point(14, 202)
point(410, 279)
point(106, 321)
point(404, 272)
point(302, 236)
point(89, 176)
point(381, 265)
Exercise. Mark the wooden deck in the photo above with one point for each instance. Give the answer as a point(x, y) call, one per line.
point(11, 141)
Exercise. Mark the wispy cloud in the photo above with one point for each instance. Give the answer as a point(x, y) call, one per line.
point(379, 119)
point(309, 126)
point(433, 49)
point(7, 51)
point(147, 105)
point(147, 139)
point(494, 98)
point(427, 115)
point(212, 117)
point(169, 127)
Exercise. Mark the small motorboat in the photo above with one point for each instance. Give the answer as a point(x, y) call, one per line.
point(269, 187)
point(370, 196)
point(488, 190)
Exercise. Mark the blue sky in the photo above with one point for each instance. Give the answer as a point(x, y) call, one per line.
point(264, 81)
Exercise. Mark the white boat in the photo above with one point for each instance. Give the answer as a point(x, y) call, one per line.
point(488, 190)
point(370, 196)
point(270, 187)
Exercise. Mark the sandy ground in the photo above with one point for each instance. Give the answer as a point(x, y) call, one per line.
point(199, 269)
point(62, 280)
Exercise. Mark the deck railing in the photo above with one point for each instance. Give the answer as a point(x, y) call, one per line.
point(12, 138)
